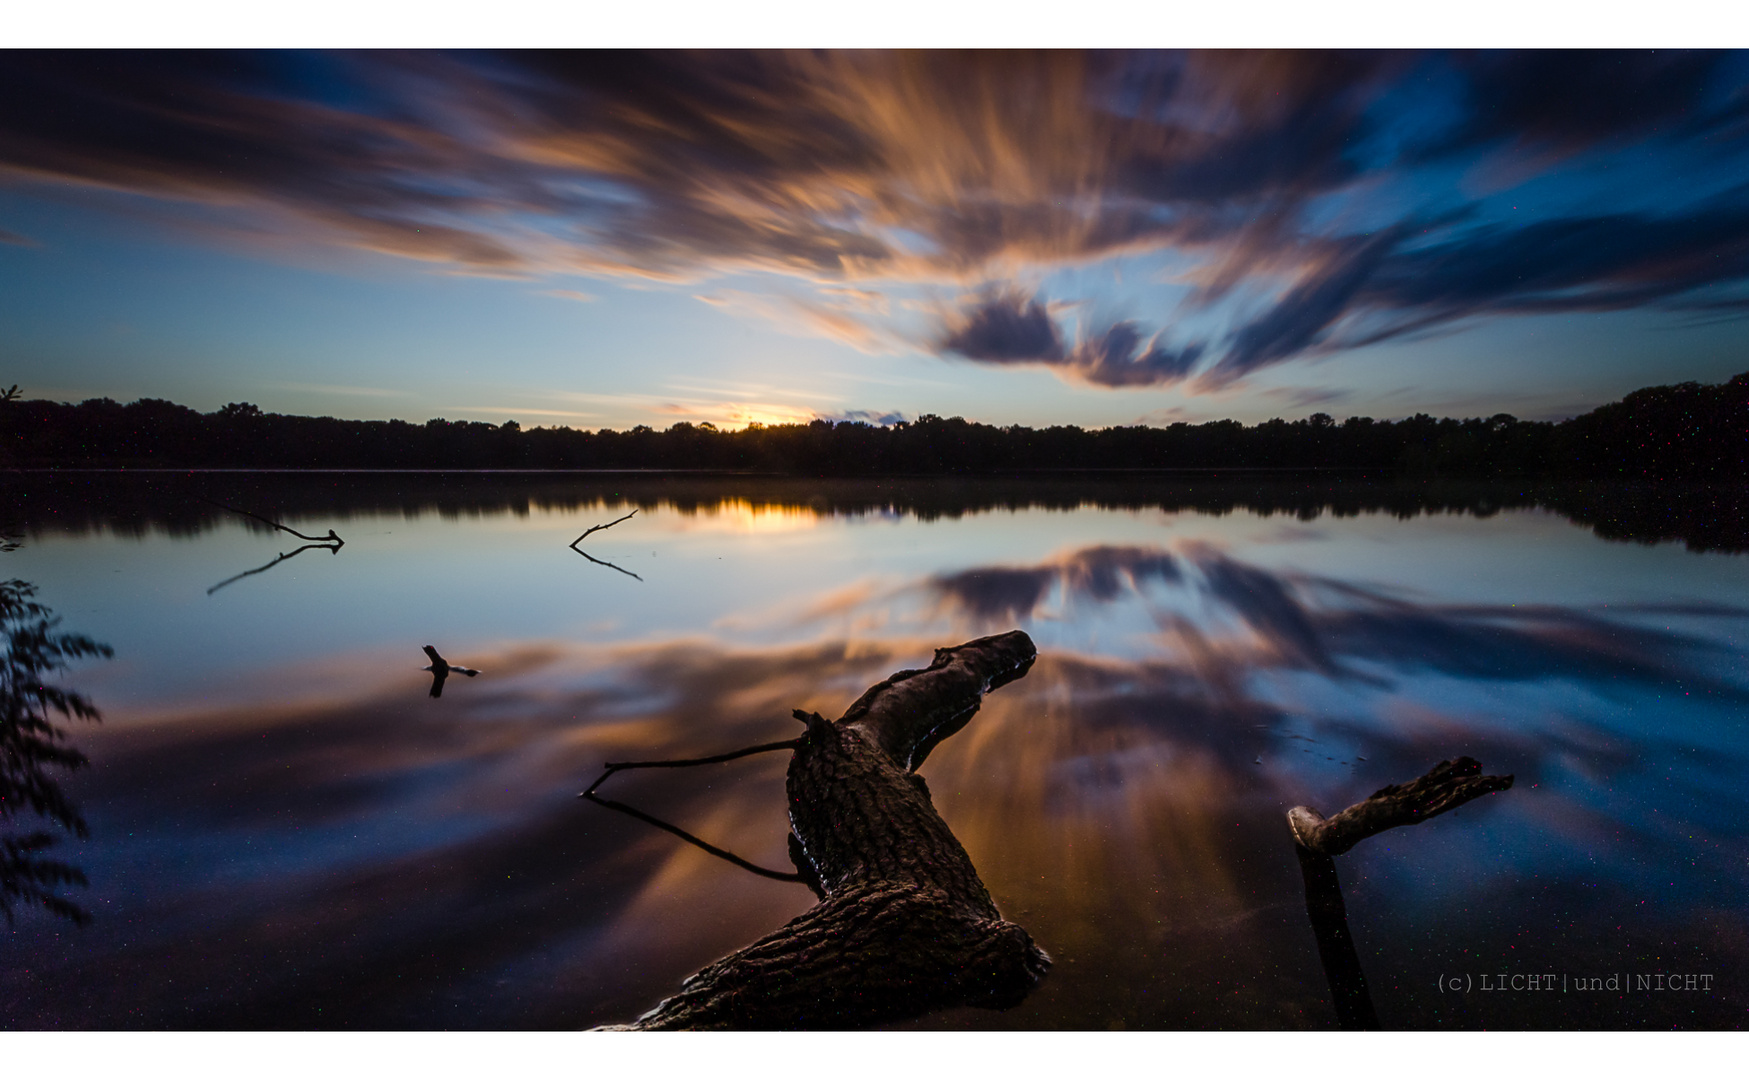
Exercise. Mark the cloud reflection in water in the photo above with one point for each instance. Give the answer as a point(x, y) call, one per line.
point(389, 861)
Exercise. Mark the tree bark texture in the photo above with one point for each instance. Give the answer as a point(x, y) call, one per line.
point(1446, 786)
point(904, 926)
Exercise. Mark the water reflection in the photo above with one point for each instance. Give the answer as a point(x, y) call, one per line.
point(440, 670)
point(182, 503)
point(283, 556)
point(362, 858)
point(593, 559)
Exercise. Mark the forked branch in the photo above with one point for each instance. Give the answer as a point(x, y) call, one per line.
point(602, 562)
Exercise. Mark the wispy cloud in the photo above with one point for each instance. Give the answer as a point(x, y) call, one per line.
point(571, 294)
point(850, 316)
point(16, 239)
point(846, 172)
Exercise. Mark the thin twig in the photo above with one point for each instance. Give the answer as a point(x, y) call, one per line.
point(329, 539)
point(598, 528)
point(677, 763)
point(612, 767)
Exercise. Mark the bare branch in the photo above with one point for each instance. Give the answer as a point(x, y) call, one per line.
point(679, 763)
point(598, 528)
point(329, 539)
point(1446, 786)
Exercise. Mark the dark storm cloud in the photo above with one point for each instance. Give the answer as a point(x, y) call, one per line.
point(1568, 100)
point(903, 167)
point(1570, 264)
point(1004, 329)
point(1605, 262)
point(1010, 327)
point(1120, 357)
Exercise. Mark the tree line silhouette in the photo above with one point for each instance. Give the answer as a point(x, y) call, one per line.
point(1691, 431)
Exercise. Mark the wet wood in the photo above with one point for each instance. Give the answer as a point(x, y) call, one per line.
point(904, 926)
point(1446, 786)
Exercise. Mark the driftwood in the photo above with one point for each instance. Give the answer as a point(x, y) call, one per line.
point(1446, 786)
point(904, 927)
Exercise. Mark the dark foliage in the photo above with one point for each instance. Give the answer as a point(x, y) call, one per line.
point(1688, 431)
point(31, 745)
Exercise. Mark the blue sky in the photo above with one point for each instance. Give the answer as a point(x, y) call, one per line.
point(602, 239)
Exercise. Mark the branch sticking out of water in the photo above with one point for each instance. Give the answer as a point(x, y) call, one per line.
point(1446, 786)
point(601, 562)
point(598, 528)
point(331, 538)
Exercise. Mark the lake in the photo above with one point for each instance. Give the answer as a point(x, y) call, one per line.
point(289, 831)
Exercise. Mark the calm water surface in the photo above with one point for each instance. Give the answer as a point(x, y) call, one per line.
point(288, 831)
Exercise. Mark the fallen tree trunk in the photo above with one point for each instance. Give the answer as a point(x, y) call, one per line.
point(905, 927)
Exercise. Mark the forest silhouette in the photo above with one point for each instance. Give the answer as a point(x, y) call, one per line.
point(1686, 431)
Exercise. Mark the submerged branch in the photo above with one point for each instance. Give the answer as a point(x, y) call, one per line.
point(1329, 915)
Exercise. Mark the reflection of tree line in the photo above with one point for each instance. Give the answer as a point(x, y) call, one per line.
point(1706, 518)
point(1658, 432)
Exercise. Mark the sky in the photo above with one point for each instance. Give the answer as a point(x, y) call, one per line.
point(605, 239)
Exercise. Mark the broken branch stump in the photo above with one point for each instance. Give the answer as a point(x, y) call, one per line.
point(1446, 786)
